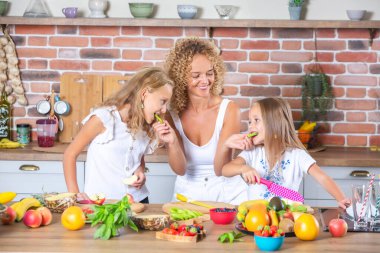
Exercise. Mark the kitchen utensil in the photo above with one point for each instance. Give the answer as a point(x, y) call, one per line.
point(366, 196)
point(282, 191)
point(185, 205)
point(183, 198)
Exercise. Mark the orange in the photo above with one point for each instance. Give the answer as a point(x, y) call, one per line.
point(306, 227)
point(258, 206)
point(256, 218)
point(73, 218)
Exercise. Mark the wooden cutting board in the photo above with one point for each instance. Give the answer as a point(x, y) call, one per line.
point(111, 84)
point(184, 205)
point(82, 92)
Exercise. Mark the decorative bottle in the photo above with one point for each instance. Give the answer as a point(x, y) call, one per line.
point(5, 117)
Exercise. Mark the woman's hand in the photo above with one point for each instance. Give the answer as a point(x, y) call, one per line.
point(165, 133)
point(82, 196)
point(141, 178)
point(239, 141)
point(344, 203)
point(250, 175)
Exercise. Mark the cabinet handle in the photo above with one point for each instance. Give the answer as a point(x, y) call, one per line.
point(28, 167)
point(359, 173)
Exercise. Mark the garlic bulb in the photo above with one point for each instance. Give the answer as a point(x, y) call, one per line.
point(8, 89)
point(11, 99)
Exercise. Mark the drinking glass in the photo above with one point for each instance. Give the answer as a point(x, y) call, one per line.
point(360, 206)
point(375, 207)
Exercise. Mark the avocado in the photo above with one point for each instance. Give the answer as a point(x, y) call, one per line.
point(276, 204)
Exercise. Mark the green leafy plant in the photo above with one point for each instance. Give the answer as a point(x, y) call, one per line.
point(230, 237)
point(110, 218)
point(296, 3)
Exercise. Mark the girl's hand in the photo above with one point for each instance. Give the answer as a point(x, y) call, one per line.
point(344, 203)
point(82, 196)
point(141, 178)
point(239, 141)
point(165, 132)
point(250, 175)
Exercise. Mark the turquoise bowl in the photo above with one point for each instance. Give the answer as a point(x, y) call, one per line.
point(141, 10)
point(269, 243)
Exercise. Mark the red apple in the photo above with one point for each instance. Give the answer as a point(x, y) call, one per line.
point(98, 198)
point(47, 217)
point(9, 216)
point(130, 198)
point(32, 218)
point(338, 227)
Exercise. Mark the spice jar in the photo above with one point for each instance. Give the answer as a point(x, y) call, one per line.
point(23, 133)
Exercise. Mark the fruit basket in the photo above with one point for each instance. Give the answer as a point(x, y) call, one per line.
point(57, 203)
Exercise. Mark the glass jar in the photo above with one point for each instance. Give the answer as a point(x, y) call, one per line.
point(23, 133)
point(5, 117)
point(46, 129)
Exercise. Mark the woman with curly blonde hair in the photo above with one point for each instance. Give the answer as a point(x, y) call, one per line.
point(199, 116)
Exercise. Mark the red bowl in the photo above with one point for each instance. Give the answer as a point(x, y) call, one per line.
point(218, 216)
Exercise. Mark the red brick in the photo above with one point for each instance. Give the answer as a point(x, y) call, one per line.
point(67, 29)
point(259, 67)
point(230, 32)
point(355, 80)
point(258, 56)
point(101, 65)
point(34, 75)
point(260, 44)
point(353, 33)
point(230, 90)
point(356, 57)
point(354, 128)
point(354, 45)
point(195, 31)
point(357, 68)
point(162, 31)
point(290, 92)
point(34, 29)
point(335, 116)
point(37, 64)
point(36, 53)
point(99, 30)
point(155, 54)
point(68, 53)
point(374, 93)
point(39, 87)
point(357, 141)
point(101, 42)
point(22, 63)
point(331, 140)
point(333, 68)
point(259, 79)
point(350, 104)
point(376, 45)
point(133, 42)
point(93, 53)
point(231, 66)
point(374, 140)
point(285, 80)
point(235, 78)
point(339, 92)
point(234, 55)
point(132, 54)
point(291, 56)
point(296, 115)
point(131, 65)
point(68, 41)
point(294, 33)
point(37, 41)
point(325, 45)
point(325, 33)
point(294, 103)
point(259, 32)
point(229, 44)
point(374, 69)
point(291, 45)
point(325, 57)
point(356, 92)
point(18, 112)
point(243, 103)
point(291, 68)
point(260, 91)
point(70, 65)
point(131, 30)
point(356, 116)
point(19, 40)
point(164, 43)
point(374, 116)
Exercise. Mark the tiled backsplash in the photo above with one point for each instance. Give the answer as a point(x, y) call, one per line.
point(261, 62)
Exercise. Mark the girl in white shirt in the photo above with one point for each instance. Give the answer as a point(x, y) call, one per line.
point(275, 153)
point(119, 133)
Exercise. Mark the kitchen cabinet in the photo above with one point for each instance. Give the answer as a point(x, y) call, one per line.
point(160, 182)
point(345, 177)
point(35, 177)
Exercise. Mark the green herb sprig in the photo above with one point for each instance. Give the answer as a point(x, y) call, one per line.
point(231, 237)
point(111, 217)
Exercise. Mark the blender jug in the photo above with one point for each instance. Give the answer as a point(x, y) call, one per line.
point(46, 129)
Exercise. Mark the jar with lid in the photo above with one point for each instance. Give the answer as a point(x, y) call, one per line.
point(23, 133)
point(5, 117)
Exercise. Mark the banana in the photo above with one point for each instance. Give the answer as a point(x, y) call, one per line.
point(6, 143)
point(273, 217)
point(249, 203)
point(22, 206)
point(6, 197)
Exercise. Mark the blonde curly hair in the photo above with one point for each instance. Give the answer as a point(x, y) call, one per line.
point(178, 67)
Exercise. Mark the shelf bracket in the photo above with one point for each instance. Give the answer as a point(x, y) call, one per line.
point(372, 35)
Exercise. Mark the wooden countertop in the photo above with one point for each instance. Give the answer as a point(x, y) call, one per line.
point(55, 238)
point(332, 156)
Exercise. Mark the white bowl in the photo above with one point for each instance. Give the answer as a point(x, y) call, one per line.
point(186, 11)
point(224, 11)
point(355, 14)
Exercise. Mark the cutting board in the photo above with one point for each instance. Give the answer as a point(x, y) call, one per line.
point(111, 84)
point(184, 205)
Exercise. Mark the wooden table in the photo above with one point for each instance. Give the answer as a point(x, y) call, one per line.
point(55, 238)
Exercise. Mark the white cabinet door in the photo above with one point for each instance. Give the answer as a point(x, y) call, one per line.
point(35, 177)
point(160, 182)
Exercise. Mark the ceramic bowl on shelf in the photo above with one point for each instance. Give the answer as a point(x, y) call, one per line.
point(224, 11)
point(3, 7)
point(186, 11)
point(141, 10)
point(355, 14)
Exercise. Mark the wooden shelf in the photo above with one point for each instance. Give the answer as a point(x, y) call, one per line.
point(159, 22)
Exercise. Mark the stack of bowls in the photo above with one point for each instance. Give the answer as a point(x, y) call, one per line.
point(186, 11)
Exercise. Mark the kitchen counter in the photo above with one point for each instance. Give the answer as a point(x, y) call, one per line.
point(55, 238)
point(332, 156)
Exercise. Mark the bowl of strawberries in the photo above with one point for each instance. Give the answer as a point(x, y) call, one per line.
point(269, 238)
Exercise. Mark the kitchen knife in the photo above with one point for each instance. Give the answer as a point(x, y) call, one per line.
point(282, 191)
point(183, 198)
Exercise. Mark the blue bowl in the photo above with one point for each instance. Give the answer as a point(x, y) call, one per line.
point(187, 11)
point(269, 243)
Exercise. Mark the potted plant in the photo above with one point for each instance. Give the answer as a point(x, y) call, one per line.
point(295, 9)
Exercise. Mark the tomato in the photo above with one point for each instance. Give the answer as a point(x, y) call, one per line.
point(73, 218)
point(256, 218)
point(306, 227)
point(304, 136)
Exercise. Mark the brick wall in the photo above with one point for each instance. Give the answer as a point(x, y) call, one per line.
point(261, 62)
